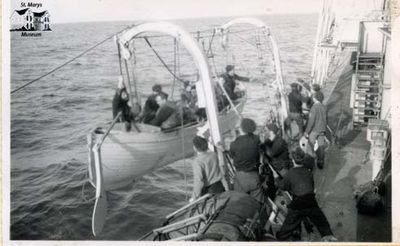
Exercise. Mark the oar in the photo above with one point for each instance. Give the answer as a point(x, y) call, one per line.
point(100, 206)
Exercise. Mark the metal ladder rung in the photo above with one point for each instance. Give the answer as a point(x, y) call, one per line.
point(180, 224)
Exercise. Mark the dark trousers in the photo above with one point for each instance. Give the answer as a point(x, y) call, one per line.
point(320, 156)
point(215, 188)
point(296, 215)
point(249, 182)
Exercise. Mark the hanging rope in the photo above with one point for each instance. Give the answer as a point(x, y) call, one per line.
point(67, 62)
point(183, 151)
point(163, 62)
point(134, 79)
point(174, 81)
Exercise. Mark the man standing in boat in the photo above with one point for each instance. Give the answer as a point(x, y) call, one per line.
point(207, 175)
point(316, 127)
point(230, 81)
point(245, 152)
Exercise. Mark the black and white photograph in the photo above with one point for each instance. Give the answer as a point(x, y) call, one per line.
point(132, 121)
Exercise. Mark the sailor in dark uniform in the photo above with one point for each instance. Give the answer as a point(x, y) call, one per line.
point(230, 81)
point(299, 182)
point(246, 159)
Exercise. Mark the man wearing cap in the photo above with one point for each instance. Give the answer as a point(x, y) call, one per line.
point(207, 175)
point(276, 150)
point(316, 127)
point(246, 159)
point(299, 182)
point(230, 81)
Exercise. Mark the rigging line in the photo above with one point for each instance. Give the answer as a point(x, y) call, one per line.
point(68, 62)
point(247, 41)
point(174, 81)
point(210, 43)
point(183, 153)
point(162, 61)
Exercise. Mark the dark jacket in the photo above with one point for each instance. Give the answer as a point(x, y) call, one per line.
point(295, 102)
point(119, 104)
point(277, 152)
point(299, 182)
point(245, 152)
point(163, 113)
point(229, 84)
point(149, 110)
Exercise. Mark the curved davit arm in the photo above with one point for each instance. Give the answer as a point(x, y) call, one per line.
point(194, 50)
point(224, 30)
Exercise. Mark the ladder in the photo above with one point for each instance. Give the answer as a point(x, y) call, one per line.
point(368, 87)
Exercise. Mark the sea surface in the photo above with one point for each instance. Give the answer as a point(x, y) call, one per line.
point(51, 198)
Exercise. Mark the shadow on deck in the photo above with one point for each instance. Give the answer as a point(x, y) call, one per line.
point(346, 166)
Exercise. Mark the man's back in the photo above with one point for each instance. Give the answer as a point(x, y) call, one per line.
point(206, 171)
point(245, 152)
point(295, 102)
point(163, 113)
point(317, 119)
point(299, 181)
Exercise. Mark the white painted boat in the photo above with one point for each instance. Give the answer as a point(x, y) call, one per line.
point(128, 155)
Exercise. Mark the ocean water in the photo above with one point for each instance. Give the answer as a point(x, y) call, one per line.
point(51, 198)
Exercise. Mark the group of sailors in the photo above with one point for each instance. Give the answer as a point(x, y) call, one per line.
point(266, 164)
point(166, 114)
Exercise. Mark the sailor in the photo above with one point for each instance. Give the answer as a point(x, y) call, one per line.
point(316, 127)
point(149, 111)
point(299, 183)
point(120, 100)
point(314, 89)
point(246, 159)
point(295, 110)
point(207, 175)
point(275, 149)
point(230, 81)
point(157, 90)
point(166, 116)
point(150, 106)
point(186, 113)
point(120, 103)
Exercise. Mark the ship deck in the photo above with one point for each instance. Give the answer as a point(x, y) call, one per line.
point(346, 166)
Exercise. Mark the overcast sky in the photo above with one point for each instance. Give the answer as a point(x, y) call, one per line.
point(111, 10)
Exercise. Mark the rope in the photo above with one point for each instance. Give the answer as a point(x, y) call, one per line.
point(67, 62)
point(162, 61)
point(183, 153)
point(100, 43)
point(174, 81)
